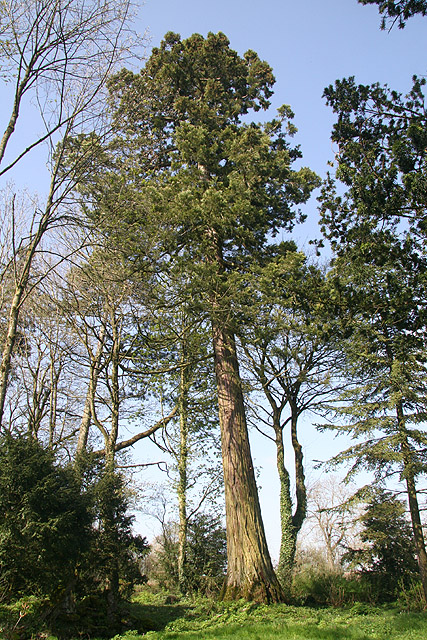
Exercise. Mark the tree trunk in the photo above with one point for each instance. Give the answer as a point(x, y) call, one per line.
point(300, 487)
point(182, 471)
point(290, 523)
point(9, 344)
point(288, 536)
point(93, 381)
point(110, 445)
point(414, 510)
point(21, 284)
point(250, 573)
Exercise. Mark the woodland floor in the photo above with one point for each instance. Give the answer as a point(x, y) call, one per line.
point(204, 619)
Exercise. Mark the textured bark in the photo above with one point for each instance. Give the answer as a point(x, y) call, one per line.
point(414, 510)
point(12, 327)
point(300, 487)
point(110, 444)
point(93, 381)
point(182, 471)
point(250, 573)
point(290, 523)
point(288, 535)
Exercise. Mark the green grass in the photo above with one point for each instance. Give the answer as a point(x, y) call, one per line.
point(210, 620)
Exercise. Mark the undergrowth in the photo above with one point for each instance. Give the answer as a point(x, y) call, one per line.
point(165, 616)
point(204, 619)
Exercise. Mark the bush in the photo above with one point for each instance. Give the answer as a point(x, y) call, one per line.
point(316, 583)
point(45, 525)
point(386, 560)
point(21, 618)
point(206, 556)
point(411, 597)
point(66, 543)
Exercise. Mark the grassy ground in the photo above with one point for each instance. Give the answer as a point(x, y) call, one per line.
point(209, 620)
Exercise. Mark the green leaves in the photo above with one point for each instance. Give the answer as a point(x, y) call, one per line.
point(45, 519)
point(382, 143)
point(398, 11)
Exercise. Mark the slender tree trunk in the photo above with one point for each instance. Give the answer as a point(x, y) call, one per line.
point(53, 401)
point(19, 91)
point(414, 509)
point(182, 472)
point(290, 523)
point(21, 285)
point(288, 537)
point(300, 487)
point(250, 573)
point(93, 381)
point(114, 392)
point(9, 344)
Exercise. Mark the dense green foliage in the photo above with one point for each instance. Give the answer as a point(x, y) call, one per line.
point(386, 556)
point(205, 559)
point(216, 185)
point(398, 11)
point(65, 540)
point(45, 525)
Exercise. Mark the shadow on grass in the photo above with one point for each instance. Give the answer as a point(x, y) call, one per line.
point(155, 617)
point(267, 632)
point(362, 628)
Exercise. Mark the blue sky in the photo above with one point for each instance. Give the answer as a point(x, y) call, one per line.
point(309, 44)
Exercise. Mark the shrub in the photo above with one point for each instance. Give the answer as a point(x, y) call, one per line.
point(315, 583)
point(411, 597)
point(65, 540)
point(45, 525)
point(386, 559)
point(205, 558)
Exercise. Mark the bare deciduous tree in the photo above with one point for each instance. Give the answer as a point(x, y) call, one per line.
point(59, 53)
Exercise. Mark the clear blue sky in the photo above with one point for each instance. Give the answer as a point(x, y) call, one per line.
point(309, 44)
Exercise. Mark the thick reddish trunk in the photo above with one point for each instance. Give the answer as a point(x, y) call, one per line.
point(250, 573)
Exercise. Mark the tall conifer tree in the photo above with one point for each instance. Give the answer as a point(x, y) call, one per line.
point(218, 188)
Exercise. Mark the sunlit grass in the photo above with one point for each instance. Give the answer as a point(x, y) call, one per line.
point(210, 620)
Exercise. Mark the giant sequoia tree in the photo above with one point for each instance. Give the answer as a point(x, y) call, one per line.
point(289, 345)
point(218, 189)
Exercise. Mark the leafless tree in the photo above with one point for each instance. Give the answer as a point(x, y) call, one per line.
point(332, 519)
point(58, 54)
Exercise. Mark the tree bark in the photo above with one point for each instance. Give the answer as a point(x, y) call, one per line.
point(250, 573)
point(182, 471)
point(414, 509)
point(288, 535)
point(300, 487)
point(93, 381)
point(9, 344)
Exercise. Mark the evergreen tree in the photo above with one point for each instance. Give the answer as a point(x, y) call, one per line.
point(378, 230)
point(386, 557)
point(216, 189)
point(45, 521)
point(398, 11)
